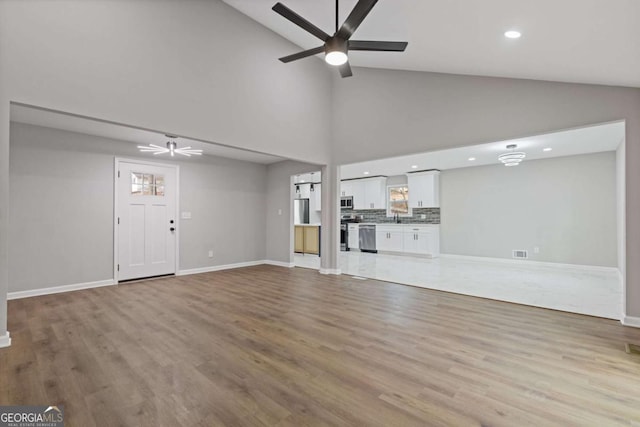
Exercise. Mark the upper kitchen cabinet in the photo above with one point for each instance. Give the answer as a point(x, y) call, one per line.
point(369, 193)
point(424, 189)
point(346, 188)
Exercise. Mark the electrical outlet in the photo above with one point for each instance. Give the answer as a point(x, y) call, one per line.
point(536, 250)
point(423, 216)
point(279, 211)
point(210, 254)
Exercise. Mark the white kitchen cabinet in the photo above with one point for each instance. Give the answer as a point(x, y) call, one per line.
point(346, 188)
point(315, 200)
point(354, 236)
point(375, 193)
point(357, 191)
point(424, 189)
point(369, 193)
point(389, 238)
point(422, 240)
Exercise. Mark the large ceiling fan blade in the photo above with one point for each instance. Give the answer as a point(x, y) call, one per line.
point(345, 70)
point(303, 54)
point(357, 15)
point(377, 46)
point(299, 21)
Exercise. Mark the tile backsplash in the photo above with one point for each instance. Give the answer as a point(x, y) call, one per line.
point(432, 216)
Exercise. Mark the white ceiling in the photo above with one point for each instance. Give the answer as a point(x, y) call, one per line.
point(38, 117)
point(584, 41)
point(591, 139)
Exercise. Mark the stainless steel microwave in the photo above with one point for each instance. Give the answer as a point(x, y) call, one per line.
point(346, 202)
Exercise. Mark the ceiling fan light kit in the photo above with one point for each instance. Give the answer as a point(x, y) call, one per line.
point(335, 51)
point(336, 48)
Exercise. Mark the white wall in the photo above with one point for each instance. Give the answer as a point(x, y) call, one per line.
point(61, 215)
point(196, 68)
point(565, 206)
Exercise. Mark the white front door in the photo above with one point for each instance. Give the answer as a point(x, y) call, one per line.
point(146, 219)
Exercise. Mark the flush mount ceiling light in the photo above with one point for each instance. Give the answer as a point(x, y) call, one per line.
point(337, 47)
point(366, 173)
point(414, 166)
point(512, 34)
point(172, 148)
point(512, 158)
point(471, 159)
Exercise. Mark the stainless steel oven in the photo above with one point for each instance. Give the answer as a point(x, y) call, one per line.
point(346, 202)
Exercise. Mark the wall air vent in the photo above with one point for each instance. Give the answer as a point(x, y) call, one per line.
point(520, 254)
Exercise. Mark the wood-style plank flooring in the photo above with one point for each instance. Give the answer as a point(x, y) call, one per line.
point(270, 346)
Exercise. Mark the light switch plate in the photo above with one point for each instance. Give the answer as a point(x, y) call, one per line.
point(185, 215)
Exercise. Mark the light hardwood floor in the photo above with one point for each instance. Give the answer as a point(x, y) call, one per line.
point(289, 347)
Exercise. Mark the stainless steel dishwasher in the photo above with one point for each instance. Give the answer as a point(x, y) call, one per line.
point(368, 238)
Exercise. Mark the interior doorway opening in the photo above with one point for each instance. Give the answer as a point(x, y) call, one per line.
point(306, 191)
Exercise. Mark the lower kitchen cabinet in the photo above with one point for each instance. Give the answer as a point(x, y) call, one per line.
point(410, 239)
point(354, 236)
point(298, 245)
point(421, 240)
point(307, 239)
point(389, 239)
point(312, 240)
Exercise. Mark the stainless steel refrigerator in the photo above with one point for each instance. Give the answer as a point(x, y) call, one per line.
point(301, 211)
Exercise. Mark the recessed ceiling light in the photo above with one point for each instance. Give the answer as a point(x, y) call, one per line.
point(471, 159)
point(414, 166)
point(302, 180)
point(366, 173)
point(512, 34)
point(547, 149)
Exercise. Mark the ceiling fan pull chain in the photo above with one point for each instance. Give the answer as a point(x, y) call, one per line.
point(337, 15)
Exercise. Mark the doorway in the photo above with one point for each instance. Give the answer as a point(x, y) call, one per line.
point(307, 205)
point(146, 209)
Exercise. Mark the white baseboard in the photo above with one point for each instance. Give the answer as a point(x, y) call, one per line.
point(218, 268)
point(280, 263)
point(59, 289)
point(5, 340)
point(109, 282)
point(634, 322)
point(531, 262)
point(335, 271)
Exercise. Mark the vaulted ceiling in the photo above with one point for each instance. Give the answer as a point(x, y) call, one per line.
point(583, 41)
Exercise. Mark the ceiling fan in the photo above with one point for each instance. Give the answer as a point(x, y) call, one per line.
point(337, 46)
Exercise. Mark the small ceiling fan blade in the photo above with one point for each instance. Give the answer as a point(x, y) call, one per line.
point(303, 54)
point(345, 70)
point(355, 18)
point(377, 46)
point(300, 21)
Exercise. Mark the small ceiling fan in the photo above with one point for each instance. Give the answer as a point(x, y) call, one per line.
point(336, 47)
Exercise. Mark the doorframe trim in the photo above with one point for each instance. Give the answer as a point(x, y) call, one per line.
point(116, 242)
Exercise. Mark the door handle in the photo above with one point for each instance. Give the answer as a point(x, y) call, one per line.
point(172, 229)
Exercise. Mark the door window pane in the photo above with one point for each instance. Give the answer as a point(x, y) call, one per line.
point(147, 184)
